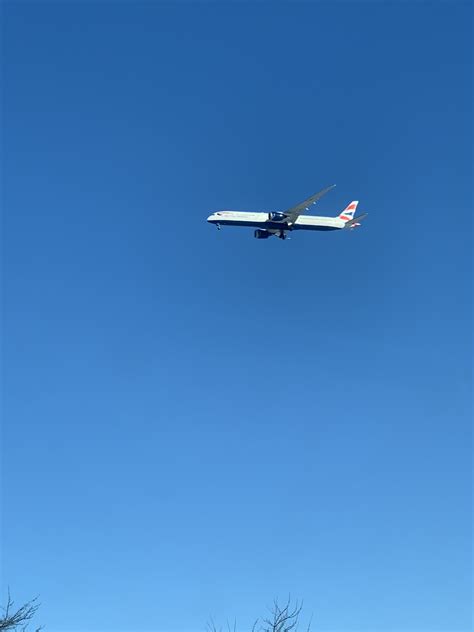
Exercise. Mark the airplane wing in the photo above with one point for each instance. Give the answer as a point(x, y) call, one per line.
point(294, 212)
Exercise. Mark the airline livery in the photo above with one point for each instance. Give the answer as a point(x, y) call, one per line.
point(279, 223)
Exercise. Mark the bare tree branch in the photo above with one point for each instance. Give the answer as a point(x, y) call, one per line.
point(212, 627)
point(13, 620)
point(285, 618)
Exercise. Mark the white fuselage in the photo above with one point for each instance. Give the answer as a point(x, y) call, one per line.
point(262, 221)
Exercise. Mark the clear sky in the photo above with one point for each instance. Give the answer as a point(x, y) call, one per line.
point(197, 422)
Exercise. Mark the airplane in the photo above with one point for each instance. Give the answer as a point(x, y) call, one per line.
point(278, 223)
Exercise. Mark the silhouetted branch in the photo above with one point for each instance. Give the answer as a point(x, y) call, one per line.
point(284, 618)
point(13, 620)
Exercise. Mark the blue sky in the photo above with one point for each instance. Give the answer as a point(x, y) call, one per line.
point(197, 422)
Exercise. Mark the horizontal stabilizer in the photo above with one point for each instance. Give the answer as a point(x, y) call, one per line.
point(353, 223)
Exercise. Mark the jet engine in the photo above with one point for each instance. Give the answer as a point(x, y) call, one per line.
point(276, 216)
point(262, 234)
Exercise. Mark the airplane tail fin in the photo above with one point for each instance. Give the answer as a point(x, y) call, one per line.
point(348, 218)
point(347, 214)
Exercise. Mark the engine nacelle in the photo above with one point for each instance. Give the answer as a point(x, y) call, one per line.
point(276, 216)
point(262, 234)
